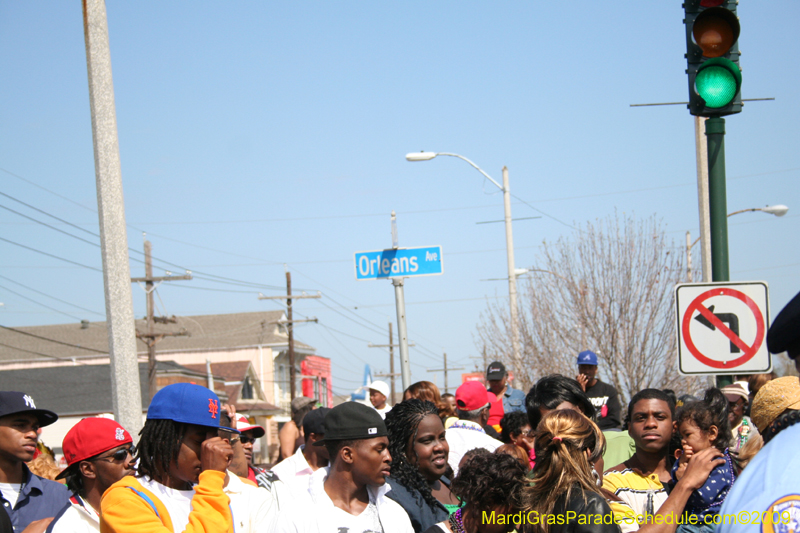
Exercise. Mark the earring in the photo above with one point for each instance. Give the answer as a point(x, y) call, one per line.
point(596, 477)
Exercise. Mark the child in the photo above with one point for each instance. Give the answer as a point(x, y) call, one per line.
point(701, 425)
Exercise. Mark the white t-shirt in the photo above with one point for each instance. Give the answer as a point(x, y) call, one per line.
point(177, 502)
point(11, 492)
point(344, 522)
point(383, 411)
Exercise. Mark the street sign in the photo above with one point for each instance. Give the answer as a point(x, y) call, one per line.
point(399, 263)
point(722, 328)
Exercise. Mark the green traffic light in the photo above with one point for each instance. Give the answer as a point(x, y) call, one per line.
point(717, 82)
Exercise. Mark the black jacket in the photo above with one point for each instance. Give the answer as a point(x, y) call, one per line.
point(422, 515)
point(591, 516)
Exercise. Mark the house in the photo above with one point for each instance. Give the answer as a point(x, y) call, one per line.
point(257, 342)
point(79, 391)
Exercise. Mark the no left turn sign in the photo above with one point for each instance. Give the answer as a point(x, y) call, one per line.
point(722, 328)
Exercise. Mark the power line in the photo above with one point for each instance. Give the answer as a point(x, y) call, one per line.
point(43, 354)
point(53, 297)
point(50, 255)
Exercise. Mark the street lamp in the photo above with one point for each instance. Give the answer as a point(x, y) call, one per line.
point(512, 273)
point(777, 210)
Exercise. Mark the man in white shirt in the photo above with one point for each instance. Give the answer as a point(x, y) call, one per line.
point(99, 452)
point(473, 402)
point(349, 495)
point(378, 393)
point(296, 470)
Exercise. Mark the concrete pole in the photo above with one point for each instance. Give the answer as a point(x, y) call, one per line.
point(701, 149)
point(125, 391)
point(402, 332)
point(512, 276)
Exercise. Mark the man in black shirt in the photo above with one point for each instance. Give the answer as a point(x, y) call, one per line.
point(603, 396)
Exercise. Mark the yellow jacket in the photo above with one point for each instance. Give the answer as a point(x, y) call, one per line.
point(127, 507)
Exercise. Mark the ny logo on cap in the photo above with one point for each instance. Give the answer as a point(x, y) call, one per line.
point(29, 401)
point(120, 434)
point(372, 431)
point(213, 407)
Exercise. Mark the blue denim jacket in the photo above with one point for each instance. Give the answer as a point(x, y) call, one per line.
point(513, 400)
point(38, 498)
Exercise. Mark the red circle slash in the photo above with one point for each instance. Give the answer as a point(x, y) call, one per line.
point(747, 351)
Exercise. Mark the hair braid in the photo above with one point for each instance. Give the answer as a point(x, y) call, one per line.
point(402, 423)
point(159, 444)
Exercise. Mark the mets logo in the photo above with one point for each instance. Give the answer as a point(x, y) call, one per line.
point(782, 516)
point(213, 407)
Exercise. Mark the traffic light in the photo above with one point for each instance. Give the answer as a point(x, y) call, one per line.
point(712, 57)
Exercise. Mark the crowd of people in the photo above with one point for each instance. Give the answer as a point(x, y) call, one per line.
point(563, 458)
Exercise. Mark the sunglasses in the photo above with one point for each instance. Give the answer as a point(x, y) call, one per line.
point(247, 440)
point(118, 456)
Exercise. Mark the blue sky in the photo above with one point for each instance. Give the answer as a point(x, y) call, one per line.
point(268, 133)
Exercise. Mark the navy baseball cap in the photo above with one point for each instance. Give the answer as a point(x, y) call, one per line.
point(12, 403)
point(587, 357)
point(186, 403)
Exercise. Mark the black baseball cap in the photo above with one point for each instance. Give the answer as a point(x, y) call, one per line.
point(314, 422)
point(784, 333)
point(496, 370)
point(12, 402)
point(352, 421)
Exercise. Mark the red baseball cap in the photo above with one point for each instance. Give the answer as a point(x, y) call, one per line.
point(473, 395)
point(93, 436)
point(243, 424)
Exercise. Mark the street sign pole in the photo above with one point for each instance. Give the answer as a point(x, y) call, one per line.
point(402, 332)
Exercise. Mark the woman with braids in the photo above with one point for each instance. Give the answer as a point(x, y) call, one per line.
point(181, 469)
point(419, 461)
point(490, 485)
point(564, 496)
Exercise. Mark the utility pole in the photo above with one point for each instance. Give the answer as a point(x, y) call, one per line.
point(150, 337)
point(446, 389)
point(392, 374)
point(125, 393)
point(701, 149)
point(290, 327)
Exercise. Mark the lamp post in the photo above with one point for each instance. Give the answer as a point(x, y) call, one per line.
point(512, 273)
point(777, 210)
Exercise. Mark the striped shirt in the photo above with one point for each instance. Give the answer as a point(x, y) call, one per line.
point(638, 495)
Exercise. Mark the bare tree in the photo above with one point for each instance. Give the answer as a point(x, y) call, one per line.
point(607, 288)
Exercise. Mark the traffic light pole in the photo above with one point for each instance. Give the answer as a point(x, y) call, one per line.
point(718, 208)
point(718, 204)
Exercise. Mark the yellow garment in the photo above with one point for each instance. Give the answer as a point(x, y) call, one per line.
point(123, 510)
point(638, 495)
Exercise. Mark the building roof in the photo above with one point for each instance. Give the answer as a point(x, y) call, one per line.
point(82, 389)
point(90, 339)
point(234, 373)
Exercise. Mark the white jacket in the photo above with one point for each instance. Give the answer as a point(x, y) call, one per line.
point(393, 518)
point(79, 517)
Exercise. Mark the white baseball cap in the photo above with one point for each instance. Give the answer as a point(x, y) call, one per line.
point(379, 386)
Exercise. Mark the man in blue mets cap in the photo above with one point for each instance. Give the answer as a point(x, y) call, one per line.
point(181, 468)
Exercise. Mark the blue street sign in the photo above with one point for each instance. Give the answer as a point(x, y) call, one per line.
point(399, 263)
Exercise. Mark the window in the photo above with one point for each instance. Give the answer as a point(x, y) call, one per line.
point(247, 389)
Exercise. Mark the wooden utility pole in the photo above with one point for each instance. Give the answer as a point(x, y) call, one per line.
point(392, 374)
point(290, 328)
point(150, 337)
point(446, 389)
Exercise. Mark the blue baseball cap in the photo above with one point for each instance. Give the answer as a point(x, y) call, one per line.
point(587, 357)
point(186, 403)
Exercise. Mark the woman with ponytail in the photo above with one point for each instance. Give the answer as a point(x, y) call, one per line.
point(565, 494)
